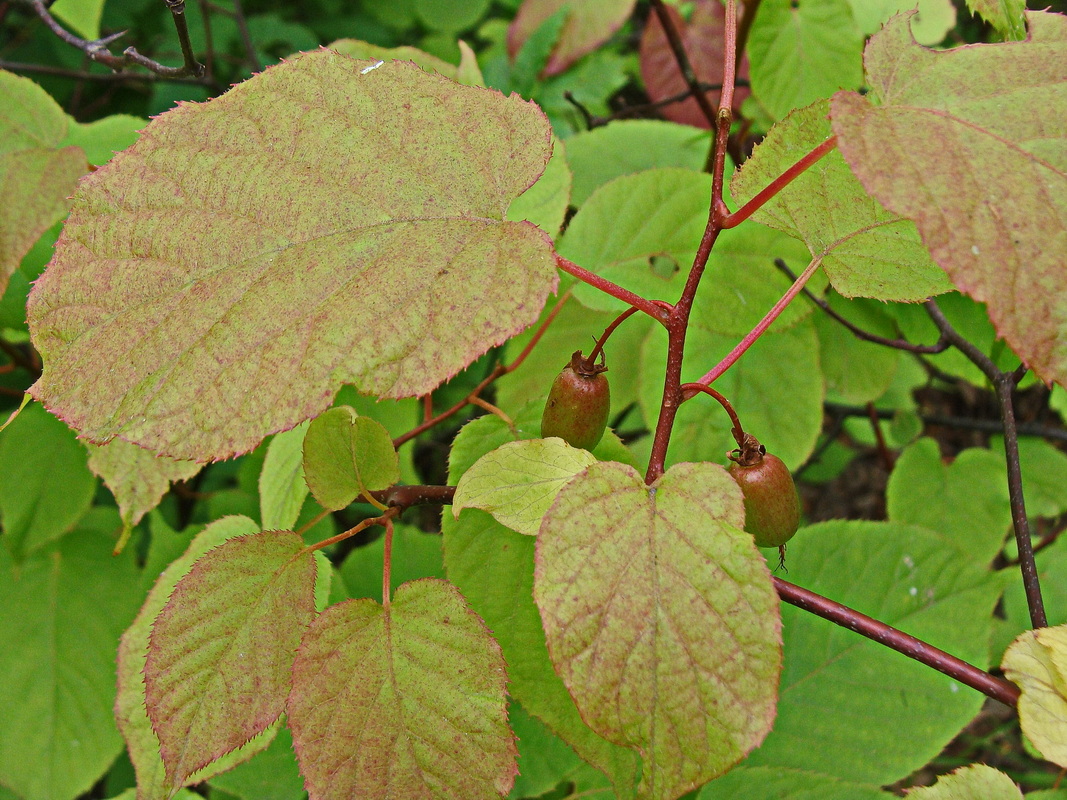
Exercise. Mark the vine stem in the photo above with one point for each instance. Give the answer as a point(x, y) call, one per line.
point(677, 321)
point(362, 526)
point(653, 309)
point(599, 346)
point(750, 339)
point(1004, 384)
point(690, 390)
point(734, 219)
point(967, 674)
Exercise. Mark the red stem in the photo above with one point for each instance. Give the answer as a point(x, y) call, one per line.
point(968, 674)
point(599, 346)
point(690, 390)
point(779, 183)
point(651, 308)
point(769, 317)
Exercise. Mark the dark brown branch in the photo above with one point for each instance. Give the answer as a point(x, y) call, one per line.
point(98, 49)
point(940, 346)
point(407, 496)
point(966, 423)
point(1004, 384)
point(967, 674)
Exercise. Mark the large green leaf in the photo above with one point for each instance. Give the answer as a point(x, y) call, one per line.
point(870, 251)
point(142, 744)
point(660, 618)
point(61, 612)
point(493, 567)
point(250, 254)
point(990, 200)
point(402, 700)
point(909, 578)
point(220, 651)
point(282, 489)
point(37, 171)
point(54, 486)
point(767, 783)
point(802, 51)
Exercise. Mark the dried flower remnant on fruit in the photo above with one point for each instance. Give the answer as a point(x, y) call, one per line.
point(578, 403)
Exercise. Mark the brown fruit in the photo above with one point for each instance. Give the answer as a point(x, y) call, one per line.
point(578, 404)
point(772, 505)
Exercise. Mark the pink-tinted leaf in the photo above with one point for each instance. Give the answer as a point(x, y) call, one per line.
point(327, 221)
point(137, 477)
point(404, 701)
point(131, 715)
point(589, 24)
point(703, 37)
point(220, 651)
point(969, 143)
point(661, 619)
point(37, 174)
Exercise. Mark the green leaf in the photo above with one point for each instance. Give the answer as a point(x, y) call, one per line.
point(346, 455)
point(130, 712)
point(54, 486)
point(282, 489)
point(976, 782)
point(83, 16)
point(766, 783)
point(518, 481)
point(253, 322)
point(493, 567)
point(781, 407)
point(545, 203)
point(103, 138)
point(803, 51)
point(1007, 16)
point(870, 251)
point(450, 16)
point(624, 147)
point(137, 477)
point(661, 618)
point(856, 372)
point(1037, 662)
point(589, 24)
point(272, 774)
point(934, 19)
point(37, 173)
point(545, 760)
point(405, 700)
point(64, 607)
point(1044, 472)
point(992, 196)
point(904, 576)
point(416, 554)
point(965, 501)
point(220, 651)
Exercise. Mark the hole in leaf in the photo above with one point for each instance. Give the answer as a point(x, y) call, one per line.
point(663, 266)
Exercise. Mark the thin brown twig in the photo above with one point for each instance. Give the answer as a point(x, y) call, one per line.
point(686, 67)
point(940, 346)
point(1004, 384)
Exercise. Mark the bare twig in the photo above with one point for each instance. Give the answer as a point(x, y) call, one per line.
point(967, 423)
point(1004, 384)
point(688, 74)
point(98, 49)
point(940, 346)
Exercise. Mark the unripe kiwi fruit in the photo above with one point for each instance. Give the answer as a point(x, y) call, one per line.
point(772, 505)
point(578, 404)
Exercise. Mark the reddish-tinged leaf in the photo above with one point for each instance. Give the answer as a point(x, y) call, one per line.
point(37, 174)
point(703, 37)
point(661, 618)
point(137, 477)
point(969, 143)
point(589, 24)
point(328, 221)
point(221, 649)
point(405, 701)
